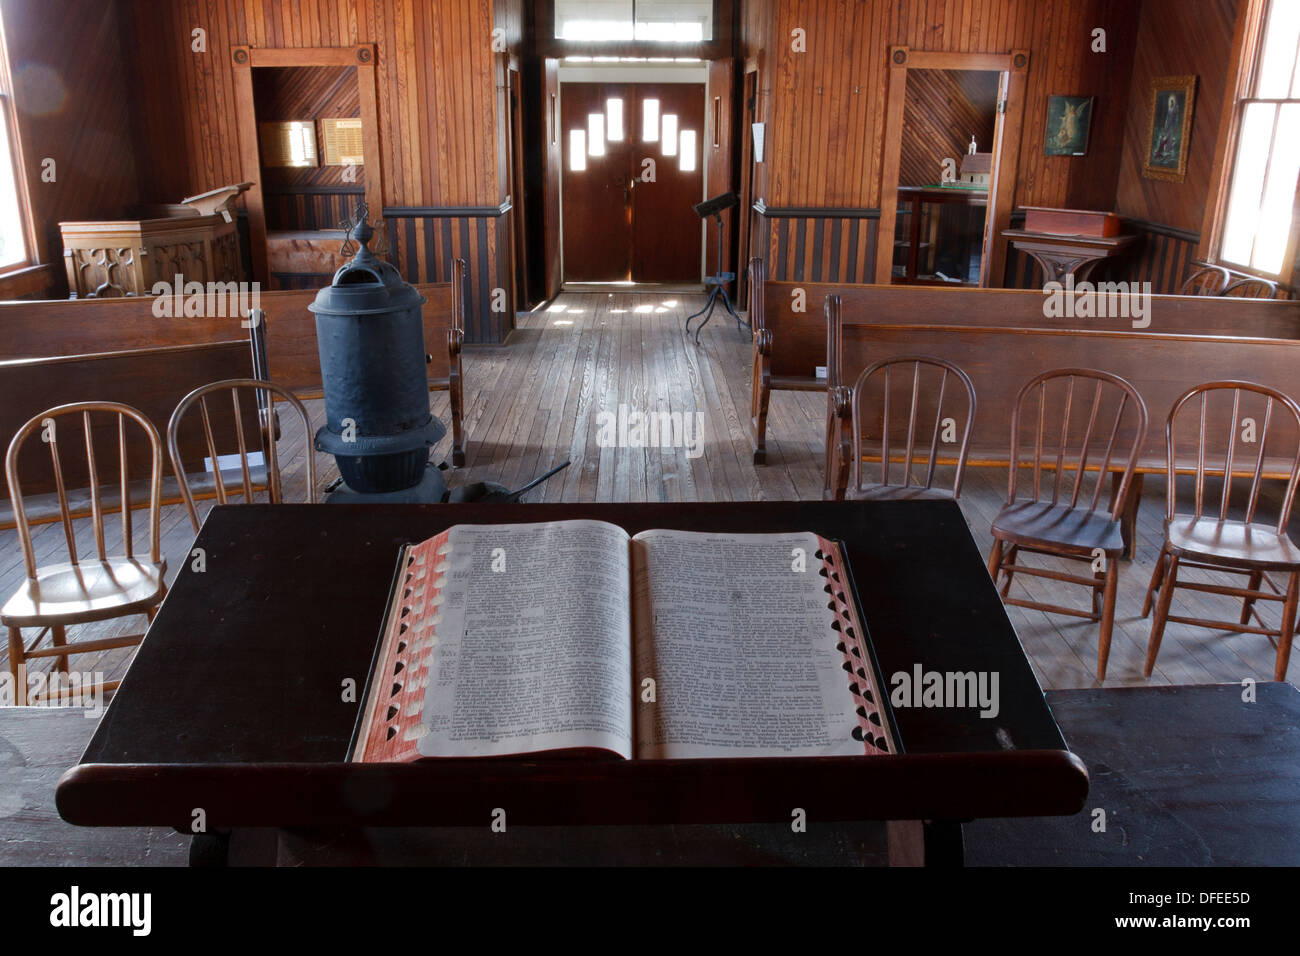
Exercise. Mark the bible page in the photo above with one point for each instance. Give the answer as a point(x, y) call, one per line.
point(736, 633)
point(533, 642)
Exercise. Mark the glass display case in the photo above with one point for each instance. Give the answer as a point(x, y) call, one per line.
point(939, 234)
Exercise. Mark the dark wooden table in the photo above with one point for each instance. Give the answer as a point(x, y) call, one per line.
point(234, 702)
point(1187, 776)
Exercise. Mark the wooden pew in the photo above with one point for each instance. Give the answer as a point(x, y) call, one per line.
point(151, 380)
point(1002, 338)
point(788, 346)
point(287, 353)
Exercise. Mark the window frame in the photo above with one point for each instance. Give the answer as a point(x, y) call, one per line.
point(550, 46)
point(1239, 92)
point(9, 116)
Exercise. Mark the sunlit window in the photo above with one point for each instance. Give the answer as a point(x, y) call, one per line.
point(1257, 219)
point(647, 21)
point(13, 227)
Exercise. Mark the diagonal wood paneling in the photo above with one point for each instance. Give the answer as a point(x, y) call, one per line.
point(945, 108)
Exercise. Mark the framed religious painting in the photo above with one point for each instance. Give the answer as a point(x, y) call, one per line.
point(1173, 101)
point(1069, 120)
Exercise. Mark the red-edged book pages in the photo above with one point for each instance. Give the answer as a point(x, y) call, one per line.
point(573, 638)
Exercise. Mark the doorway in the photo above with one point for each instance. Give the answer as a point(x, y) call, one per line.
point(348, 145)
point(933, 71)
point(944, 173)
point(633, 168)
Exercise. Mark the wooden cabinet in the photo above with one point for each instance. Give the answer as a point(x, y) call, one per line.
point(939, 235)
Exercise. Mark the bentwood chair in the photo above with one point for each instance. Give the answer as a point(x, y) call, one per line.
point(1206, 280)
point(1249, 287)
point(108, 585)
point(1068, 431)
point(1220, 542)
point(260, 396)
point(907, 398)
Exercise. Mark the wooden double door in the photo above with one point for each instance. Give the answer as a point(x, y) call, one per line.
point(633, 171)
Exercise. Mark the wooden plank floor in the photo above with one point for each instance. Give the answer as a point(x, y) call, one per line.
point(535, 401)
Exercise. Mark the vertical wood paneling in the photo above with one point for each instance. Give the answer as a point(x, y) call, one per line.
point(827, 123)
point(1176, 38)
point(440, 113)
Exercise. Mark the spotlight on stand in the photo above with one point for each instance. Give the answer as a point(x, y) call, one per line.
point(717, 282)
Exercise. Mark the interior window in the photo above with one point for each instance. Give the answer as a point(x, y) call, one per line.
point(652, 21)
point(13, 228)
point(1261, 197)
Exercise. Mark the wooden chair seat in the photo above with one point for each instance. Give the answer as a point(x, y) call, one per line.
point(1232, 543)
point(899, 493)
point(1041, 524)
point(85, 592)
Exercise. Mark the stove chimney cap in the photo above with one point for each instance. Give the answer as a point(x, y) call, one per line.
point(367, 285)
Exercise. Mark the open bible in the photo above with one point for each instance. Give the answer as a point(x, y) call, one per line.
point(574, 636)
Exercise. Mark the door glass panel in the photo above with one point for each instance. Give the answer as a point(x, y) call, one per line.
point(596, 134)
point(577, 150)
point(614, 119)
point(650, 126)
point(688, 151)
point(670, 134)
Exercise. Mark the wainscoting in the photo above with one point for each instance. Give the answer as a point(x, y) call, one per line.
point(424, 240)
point(805, 244)
point(307, 208)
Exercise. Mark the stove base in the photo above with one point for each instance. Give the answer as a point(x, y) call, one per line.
point(431, 490)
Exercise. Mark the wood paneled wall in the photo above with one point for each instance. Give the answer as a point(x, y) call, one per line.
point(828, 118)
point(827, 108)
point(440, 112)
point(1176, 38)
point(73, 106)
point(435, 99)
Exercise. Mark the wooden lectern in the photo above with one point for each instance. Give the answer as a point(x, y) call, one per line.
point(197, 240)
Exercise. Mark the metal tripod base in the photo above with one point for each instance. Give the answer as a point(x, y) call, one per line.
point(719, 292)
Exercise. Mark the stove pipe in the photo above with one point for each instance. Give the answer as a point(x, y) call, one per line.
point(374, 369)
